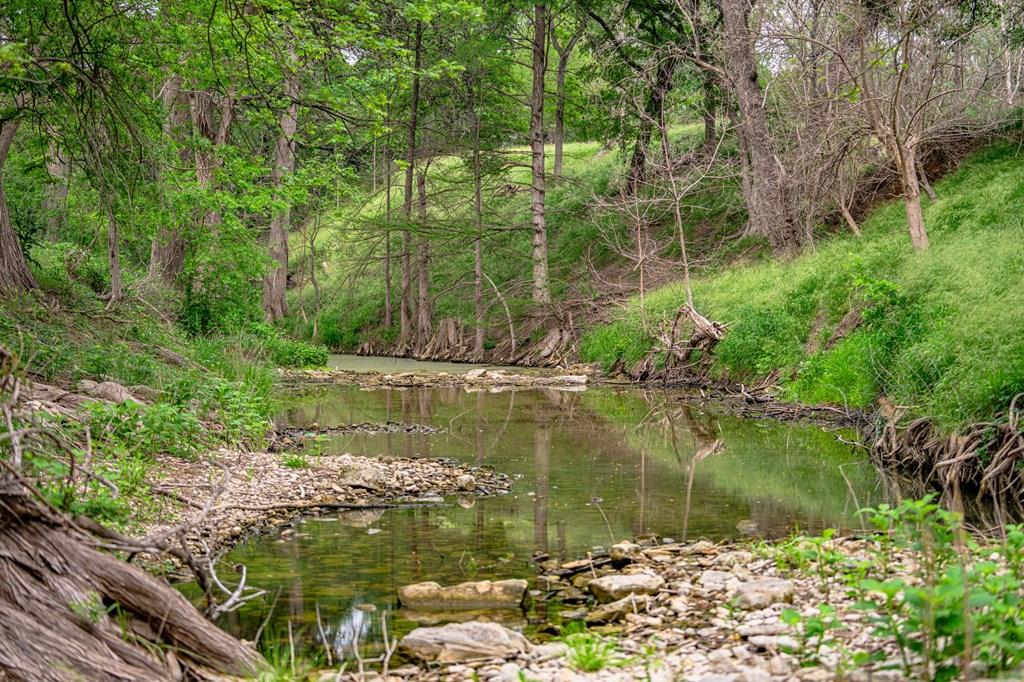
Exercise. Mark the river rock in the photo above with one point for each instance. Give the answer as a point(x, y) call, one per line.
point(476, 373)
point(465, 482)
point(759, 594)
point(361, 473)
point(457, 642)
point(618, 609)
point(622, 552)
point(609, 588)
point(485, 594)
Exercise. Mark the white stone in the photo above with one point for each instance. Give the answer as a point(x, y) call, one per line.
point(457, 642)
point(616, 586)
point(757, 594)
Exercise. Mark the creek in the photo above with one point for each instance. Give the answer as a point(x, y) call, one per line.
point(589, 467)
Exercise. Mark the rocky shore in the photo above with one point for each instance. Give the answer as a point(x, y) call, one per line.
point(697, 611)
point(227, 495)
point(573, 378)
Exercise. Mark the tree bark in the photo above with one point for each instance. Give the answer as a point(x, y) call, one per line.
point(405, 331)
point(201, 108)
point(387, 232)
point(763, 195)
point(710, 113)
point(478, 264)
point(906, 162)
point(638, 165)
point(275, 283)
point(14, 273)
point(541, 290)
point(564, 52)
point(167, 253)
point(55, 204)
point(424, 326)
point(113, 248)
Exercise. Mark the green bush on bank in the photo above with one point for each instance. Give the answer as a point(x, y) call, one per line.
point(942, 331)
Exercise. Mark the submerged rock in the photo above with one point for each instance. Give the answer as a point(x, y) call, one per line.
point(463, 641)
point(617, 585)
point(485, 594)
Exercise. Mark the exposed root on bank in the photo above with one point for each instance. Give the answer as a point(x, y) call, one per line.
point(72, 610)
point(984, 459)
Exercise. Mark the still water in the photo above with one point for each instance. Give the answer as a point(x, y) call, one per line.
point(589, 468)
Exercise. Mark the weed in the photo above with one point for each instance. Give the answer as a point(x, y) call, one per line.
point(295, 460)
point(589, 651)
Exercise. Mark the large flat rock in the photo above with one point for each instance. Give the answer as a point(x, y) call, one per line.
point(463, 642)
point(485, 594)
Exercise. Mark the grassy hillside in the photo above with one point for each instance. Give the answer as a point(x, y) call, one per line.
point(941, 332)
point(582, 233)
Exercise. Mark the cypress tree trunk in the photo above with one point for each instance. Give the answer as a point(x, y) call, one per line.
point(541, 290)
point(424, 325)
point(275, 284)
point(405, 331)
point(14, 273)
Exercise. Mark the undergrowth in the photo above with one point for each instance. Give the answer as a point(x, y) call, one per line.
point(193, 394)
point(954, 611)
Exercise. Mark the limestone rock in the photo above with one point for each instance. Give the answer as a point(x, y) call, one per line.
point(616, 586)
point(457, 642)
point(361, 473)
point(616, 610)
point(758, 594)
point(624, 551)
point(466, 482)
point(485, 594)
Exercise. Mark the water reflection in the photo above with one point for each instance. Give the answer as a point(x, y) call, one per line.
point(589, 468)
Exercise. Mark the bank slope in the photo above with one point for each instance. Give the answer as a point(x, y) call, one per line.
point(941, 332)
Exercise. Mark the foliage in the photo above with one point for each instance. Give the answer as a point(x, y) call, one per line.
point(589, 651)
point(950, 602)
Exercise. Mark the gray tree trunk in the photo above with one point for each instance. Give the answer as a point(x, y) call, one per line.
point(763, 189)
point(405, 331)
point(275, 283)
point(167, 253)
point(541, 289)
point(424, 326)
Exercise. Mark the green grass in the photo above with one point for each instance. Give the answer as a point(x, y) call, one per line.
point(942, 332)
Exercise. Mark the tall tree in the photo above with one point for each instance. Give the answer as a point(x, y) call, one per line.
point(541, 288)
point(275, 284)
point(14, 272)
point(763, 189)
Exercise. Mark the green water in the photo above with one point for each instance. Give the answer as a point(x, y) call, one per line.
point(588, 468)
